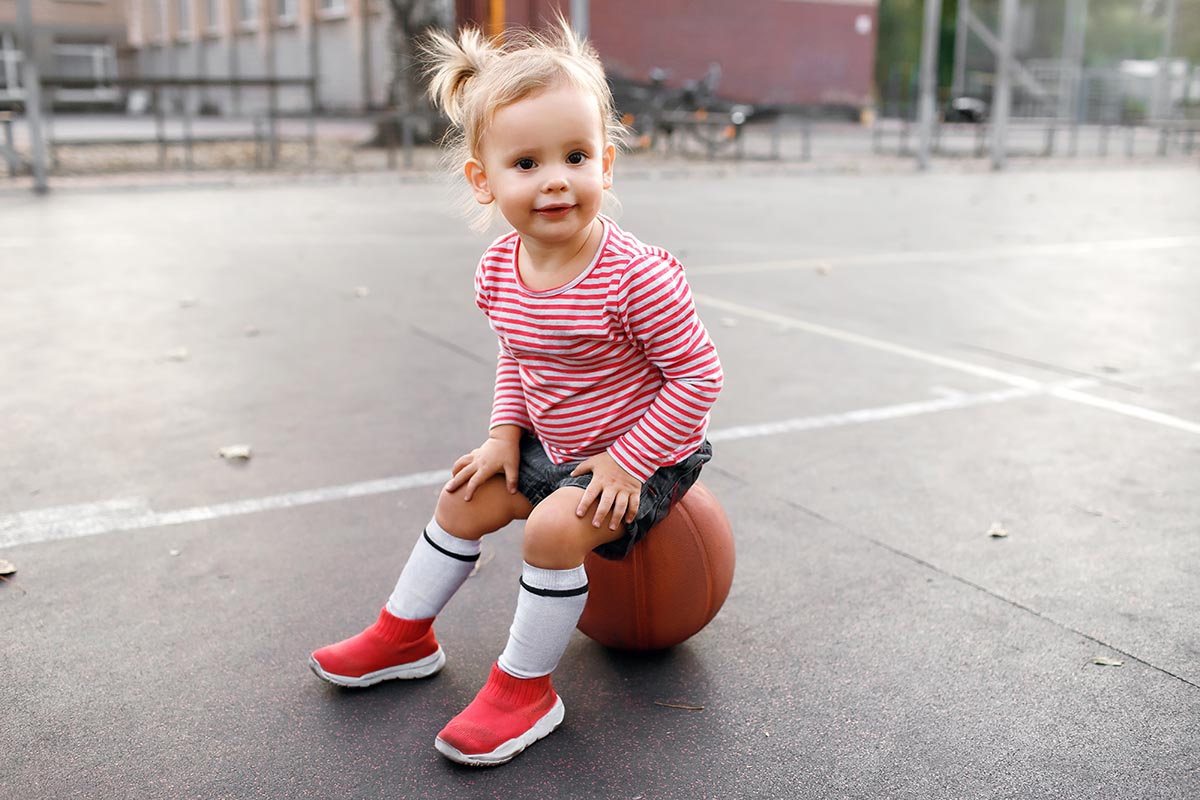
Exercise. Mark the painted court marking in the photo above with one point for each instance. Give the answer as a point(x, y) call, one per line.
point(127, 514)
point(1071, 394)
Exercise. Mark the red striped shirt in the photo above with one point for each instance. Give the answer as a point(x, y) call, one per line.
point(615, 360)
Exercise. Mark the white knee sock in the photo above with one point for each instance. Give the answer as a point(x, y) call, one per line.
point(548, 608)
point(437, 567)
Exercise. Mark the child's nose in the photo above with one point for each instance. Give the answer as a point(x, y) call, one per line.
point(556, 181)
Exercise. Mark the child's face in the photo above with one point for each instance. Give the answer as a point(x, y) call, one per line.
point(545, 161)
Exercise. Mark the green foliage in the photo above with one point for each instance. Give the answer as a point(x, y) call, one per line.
point(1116, 30)
point(898, 52)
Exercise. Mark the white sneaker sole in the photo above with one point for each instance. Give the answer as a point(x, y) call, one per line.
point(423, 668)
point(510, 749)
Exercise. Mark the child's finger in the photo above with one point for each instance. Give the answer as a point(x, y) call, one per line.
point(583, 468)
point(589, 496)
point(635, 501)
point(620, 509)
point(510, 477)
point(606, 502)
point(458, 479)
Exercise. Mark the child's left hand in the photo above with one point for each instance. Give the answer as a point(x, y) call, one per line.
point(618, 491)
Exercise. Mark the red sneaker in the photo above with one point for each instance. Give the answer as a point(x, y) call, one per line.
point(507, 715)
point(391, 648)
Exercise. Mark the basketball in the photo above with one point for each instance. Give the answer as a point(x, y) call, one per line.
point(671, 584)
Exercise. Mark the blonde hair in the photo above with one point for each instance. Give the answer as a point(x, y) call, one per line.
point(472, 77)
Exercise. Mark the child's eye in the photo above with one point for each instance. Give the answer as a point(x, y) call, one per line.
point(525, 163)
point(576, 158)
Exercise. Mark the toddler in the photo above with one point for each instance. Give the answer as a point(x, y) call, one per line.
point(604, 382)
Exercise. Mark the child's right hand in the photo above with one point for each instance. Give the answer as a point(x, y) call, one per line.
point(500, 453)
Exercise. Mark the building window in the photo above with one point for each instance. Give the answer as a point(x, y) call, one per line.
point(184, 9)
point(159, 25)
point(212, 15)
point(248, 11)
point(10, 68)
point(287, 10)
point(333, 6)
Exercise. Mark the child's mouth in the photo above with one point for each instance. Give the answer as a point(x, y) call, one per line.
point(554, 212)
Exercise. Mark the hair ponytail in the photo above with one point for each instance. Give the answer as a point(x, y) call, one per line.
point(452, 65)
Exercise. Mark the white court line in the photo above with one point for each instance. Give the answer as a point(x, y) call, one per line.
point(69, 522)
point(1070, 392)
point(869, 341)
point(944, 403)
point(952, 256)
point(1137, 412)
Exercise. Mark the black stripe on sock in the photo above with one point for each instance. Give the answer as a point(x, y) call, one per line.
point(554, 592)
point(446, 552)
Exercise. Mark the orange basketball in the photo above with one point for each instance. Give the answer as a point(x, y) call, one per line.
point(672, 583)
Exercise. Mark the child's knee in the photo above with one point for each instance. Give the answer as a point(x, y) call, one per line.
point(489, 510)
point(555, 538)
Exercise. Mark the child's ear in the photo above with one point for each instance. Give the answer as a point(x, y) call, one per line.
point(610, 155)
point(473, 169)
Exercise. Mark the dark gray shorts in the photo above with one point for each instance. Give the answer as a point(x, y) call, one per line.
point(540, 477)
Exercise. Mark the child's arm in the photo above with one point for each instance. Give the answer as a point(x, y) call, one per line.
point(501, 452)
point(659, 313)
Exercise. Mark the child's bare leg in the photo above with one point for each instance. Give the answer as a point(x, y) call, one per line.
point(517, 706)
point(555, 538)
point(401, 644)
point(489, 510)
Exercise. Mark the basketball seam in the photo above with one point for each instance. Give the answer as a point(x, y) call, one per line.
point(708, 597)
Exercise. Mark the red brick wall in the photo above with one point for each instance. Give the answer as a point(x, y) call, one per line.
point(770, 51)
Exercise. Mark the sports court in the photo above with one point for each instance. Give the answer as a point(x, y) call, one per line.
point(913, 364)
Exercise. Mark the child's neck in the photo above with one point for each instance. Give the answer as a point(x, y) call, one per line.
point(548, 266)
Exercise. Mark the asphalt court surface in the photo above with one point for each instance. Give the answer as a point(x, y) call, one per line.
point(911, 362)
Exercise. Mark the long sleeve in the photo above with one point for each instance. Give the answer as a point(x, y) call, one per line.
point(508, 402)
point(658, 311)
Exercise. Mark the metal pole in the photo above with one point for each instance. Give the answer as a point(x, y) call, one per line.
point(1074, 24)
point(1002, 102)
point(959, 86)
point(368, 85)
point(33, 97)
point(580, 17)
point(928, 80)
point(1163, 84)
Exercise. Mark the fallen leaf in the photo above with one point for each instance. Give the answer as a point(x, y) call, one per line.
point(486, 554)
point(179, 354)
point(1103, 661)
point(678, 705)
point(997, 531)
point(235, 452)
point(7, 567)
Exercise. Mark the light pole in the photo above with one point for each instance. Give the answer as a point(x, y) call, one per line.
point(928, 81)
point(32, 85)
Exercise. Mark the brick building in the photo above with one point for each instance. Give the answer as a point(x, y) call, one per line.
point(786, 52)
point(72, 38)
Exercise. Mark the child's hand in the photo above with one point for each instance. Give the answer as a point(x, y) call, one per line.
point(500, 453)
point(619, 492)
